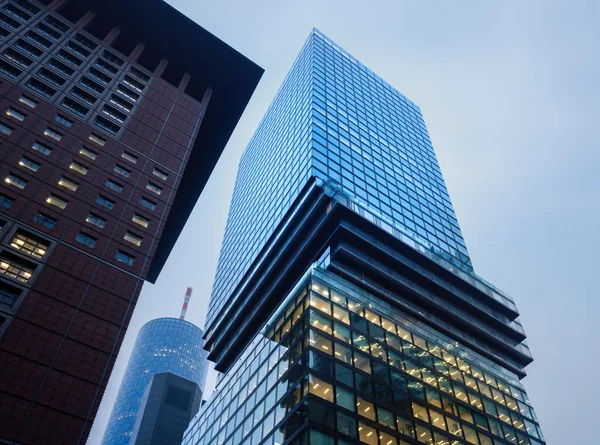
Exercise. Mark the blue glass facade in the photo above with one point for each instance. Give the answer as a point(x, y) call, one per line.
point(336, 120)
point(163, 345)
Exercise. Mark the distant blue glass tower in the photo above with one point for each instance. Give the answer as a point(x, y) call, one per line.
point(163, 345)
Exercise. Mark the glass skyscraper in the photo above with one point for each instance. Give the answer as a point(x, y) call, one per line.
point(345, 308)
point(162, 345)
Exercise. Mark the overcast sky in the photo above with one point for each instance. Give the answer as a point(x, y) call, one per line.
point(510, 94)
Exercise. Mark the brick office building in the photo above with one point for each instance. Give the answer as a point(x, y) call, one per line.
point(112, 116)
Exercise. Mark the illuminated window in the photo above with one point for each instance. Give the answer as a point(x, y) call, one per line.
point(30, 244)
point(68, 184)
point(14, 267)
point(44, 149)
point(133, 238)
point(28, 101)
point(16, 181)
point(96, 220)
point(53, 134)
point(15, 114)
point(154, 188)
point(320, 388)
point(56, 201)
point(129, 157)
point(86, 240)
point(162, 175)
point(319, 342)
point(88, 153)
point(124, 258)
point(144, 222)
point(97, 139)
point(367, 434)
point(30, 164)
point(78, 168)
point(365, 409)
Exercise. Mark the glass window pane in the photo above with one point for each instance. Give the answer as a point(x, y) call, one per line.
point(367, 434)
point(320, 388)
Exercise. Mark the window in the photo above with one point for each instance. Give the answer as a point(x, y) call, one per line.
point(85, 41)
point(17, 58)
point(8, 295)
point(129, 157)
point(40, 88)
point(51, 77)
point(148, 204)
point(139, 75)
point(133, 238)
point(137, 86)
point(105, 202)
point(122, 171)
point(97, 139)
point(8, 70)
point(68, 184)
point(38, 39)
point(91, 85)
point(30, 164)
point(114, 114)
point(56, 201)
point(129, 94)
point(320, 388)
point(69, 58)
point(154, 188)
point(99, 75)
point(367, 434)
point(63, 120)
point(28, 101)
point(96, 220)
point(88, 153)
point(44, 149)
point(9, 22)
point(124, 258)
point(16, 12)
point(5, 129)
point(5, 201)
point(16, 181)
point(112, 58)
point(28, 48)
point(27, 6)
point(78, 168)
point(78, 49)
point(30, 244)
point(56, 23)
point(60, 67)
point(44, 220)
point(84, 96)
point(106, 125)
point(144, 222)
point(47, 31)
point(14, 267)
point(75, 107)
point(15, 114)
point(365, 409)
point(120, 103)
point(160, 174)
point(53, 134)
point(86, 240)
point(106, 66)
point(113, 186)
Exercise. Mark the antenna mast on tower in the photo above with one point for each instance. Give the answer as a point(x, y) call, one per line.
point(186, 300)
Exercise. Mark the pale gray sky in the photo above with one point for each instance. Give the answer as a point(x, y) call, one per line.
point(510, 94)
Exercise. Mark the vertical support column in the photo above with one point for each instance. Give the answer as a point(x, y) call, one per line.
point(184, 82)
point(160, 68)
point(111, 36)
point(85, 20)
point(137, 52)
